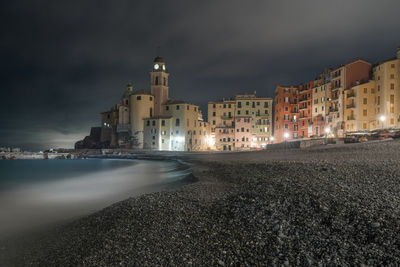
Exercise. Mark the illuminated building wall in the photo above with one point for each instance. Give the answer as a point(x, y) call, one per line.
point(320, 95)
point(286, 113)
point(250, 111)
point(260, 111)
point(304, 100)
point(141, 106)
point(387, 92)
point(359, 108)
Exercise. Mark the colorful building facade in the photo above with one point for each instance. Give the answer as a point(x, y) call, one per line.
point(241, 123)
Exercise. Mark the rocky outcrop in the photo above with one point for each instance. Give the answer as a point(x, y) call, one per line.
point(92, 141)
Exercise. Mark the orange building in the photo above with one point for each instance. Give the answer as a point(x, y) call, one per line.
point(286, 113)
point(342, 79)
point(305, 110)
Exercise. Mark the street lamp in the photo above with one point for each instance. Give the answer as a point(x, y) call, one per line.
point(286, 135)
point(382, 119)
point(327, 131)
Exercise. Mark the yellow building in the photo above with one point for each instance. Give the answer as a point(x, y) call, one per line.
point(180, 127)
point(321, 94)
point(220, 113)
point(335, 103)
point(359, 108)
point(244, 108)
point(387, 90)
point(259, 109)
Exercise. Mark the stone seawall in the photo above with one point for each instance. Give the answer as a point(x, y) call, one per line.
point(299, 144)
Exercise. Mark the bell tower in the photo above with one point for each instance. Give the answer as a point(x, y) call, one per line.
point(159, 84)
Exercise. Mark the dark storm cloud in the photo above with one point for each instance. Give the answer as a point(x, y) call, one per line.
point(63, 62)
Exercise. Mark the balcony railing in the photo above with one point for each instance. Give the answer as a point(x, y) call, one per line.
point(352, 105)
point(335, 97)
point(351, 118)
point(350, 95)
point(226, 117)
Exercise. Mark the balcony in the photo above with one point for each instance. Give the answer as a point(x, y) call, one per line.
point(333, 109)
point(303, 108)
point(352, 105)
point(351, 118)
point(351, 95)
point(303, 100)
point(226, 117)
point(335, 97)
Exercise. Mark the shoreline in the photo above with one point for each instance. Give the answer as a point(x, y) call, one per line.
point(323, 205)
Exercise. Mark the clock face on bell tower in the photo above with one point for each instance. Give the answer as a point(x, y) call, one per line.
point(160, 66)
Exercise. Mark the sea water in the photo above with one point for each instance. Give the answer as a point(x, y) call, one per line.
point(40, 193)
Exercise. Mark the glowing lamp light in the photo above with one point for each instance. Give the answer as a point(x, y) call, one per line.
point(382, 118)
point(286, 135)
point(272, 138)
point(210, 140)
point(328, 130)
point(180, 139)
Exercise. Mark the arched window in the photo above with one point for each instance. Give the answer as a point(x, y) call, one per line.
point(156, 80)
point(165, 81)
point(151, 112)
point(177, 122)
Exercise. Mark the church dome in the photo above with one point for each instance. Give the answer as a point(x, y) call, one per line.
point(159, 60)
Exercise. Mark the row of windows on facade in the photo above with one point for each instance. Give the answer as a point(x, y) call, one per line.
point(337, 84)
point(294, 109)
point(177, 123)
point(244, 139)
point(287, 118)
point(364, 125)
point(237, 130)
point(378, 102)
point(322, 88)
point(154, 131)
point(239, 104)
point(391, 87)
point(258, 113)
point(336, 73)
point(258, 122)
point(176, 141)
point(391, 76)
point(178, 107)
point(295, 126)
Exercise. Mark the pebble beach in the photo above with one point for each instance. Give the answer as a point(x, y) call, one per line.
point(321, 206)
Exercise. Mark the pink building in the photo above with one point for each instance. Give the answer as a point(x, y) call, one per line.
point(225, 138)
point(243, 133)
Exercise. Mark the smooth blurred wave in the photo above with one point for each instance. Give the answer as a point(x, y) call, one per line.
point(39, 193)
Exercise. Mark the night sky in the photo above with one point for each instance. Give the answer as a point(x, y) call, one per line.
point(64, 62)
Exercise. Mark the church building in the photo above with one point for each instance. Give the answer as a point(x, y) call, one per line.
point(152, 121)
